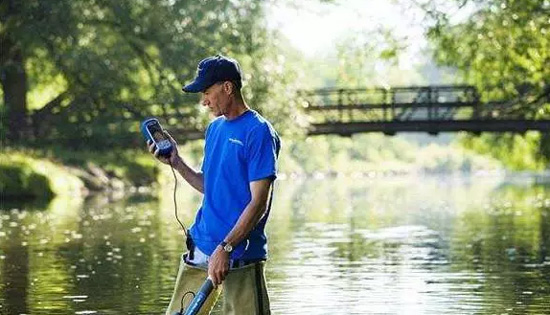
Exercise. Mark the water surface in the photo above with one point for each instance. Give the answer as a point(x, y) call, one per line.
point(406, 245)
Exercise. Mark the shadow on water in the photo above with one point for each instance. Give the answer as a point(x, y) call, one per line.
point(422, 245)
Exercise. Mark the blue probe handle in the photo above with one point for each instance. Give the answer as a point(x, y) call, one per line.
point(200, 297)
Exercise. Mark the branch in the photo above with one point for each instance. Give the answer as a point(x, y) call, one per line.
point(136, 113)
point(47, 109)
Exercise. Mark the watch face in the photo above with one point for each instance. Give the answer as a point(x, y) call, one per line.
point(228, 248)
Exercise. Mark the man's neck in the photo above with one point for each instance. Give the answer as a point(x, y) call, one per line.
point(237, 108)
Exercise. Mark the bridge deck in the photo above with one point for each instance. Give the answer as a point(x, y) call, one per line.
point(429, 109)
point(432, 127)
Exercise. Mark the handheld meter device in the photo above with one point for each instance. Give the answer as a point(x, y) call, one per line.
point(152, 131)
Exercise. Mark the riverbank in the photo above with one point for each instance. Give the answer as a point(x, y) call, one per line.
point(33, 174)
point(27, 174)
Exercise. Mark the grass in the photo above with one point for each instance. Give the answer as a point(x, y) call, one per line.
point(42, 174)
point(25, 176)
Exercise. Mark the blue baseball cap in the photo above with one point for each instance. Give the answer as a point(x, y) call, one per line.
point(212, 70)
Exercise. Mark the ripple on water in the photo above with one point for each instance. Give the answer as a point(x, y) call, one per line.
point(422, 252)
point(404, 262)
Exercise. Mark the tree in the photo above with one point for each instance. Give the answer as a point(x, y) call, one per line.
point(503, 48)
point(112, 63)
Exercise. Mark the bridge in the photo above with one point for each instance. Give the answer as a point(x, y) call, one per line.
point(431, 109)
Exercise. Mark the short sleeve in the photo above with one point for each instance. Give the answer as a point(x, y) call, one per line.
point(206, 133)
point(262, 152)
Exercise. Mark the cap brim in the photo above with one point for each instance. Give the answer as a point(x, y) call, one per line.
point(195, 86)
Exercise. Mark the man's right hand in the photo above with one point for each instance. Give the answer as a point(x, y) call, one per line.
point(174, 157)
point(193, 177)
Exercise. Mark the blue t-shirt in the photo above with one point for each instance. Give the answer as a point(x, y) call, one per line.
point(236, 152)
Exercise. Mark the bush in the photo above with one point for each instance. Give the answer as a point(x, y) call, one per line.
point(17, 181)
point(24, 176)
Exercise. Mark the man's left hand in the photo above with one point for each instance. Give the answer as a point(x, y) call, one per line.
point(218, 265)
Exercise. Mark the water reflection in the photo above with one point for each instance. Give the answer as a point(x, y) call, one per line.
point(418, 245)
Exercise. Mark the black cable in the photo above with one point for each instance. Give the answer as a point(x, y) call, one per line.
point(182, 226)
point(183, 297)
point(175, 202)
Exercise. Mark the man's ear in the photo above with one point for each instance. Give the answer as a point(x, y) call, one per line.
point(228, 87)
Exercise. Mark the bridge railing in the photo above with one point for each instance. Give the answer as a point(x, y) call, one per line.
point(393, 104)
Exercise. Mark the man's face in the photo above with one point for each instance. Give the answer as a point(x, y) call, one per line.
point(216, 99)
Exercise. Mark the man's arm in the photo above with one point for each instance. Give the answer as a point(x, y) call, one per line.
point(218, 266)
point(253, 212)
point(194, 178)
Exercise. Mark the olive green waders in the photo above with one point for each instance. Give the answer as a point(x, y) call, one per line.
point(244, 290)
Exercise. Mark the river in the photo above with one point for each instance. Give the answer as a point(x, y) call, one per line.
point(381, 245)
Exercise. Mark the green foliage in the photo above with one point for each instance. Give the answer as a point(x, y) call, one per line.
point(96, 68)
point(23, 175)
point(18, 181)
point(59, 171)
point(440, 159)
point(519, 152)
point(503, 48)
point(134, 167)
point(374, 153)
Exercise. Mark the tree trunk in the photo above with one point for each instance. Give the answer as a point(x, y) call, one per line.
point(14, 83)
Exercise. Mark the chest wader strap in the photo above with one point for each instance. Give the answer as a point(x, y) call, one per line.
point(190, 247)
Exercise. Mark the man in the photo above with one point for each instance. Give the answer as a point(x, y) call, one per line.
point(227, 241)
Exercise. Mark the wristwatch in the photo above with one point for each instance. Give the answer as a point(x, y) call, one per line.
point(226, 247)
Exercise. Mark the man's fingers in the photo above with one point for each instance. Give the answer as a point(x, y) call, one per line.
point(214, 278)
point(218, 276)
point(167, 135)
point(170, 138)
point(151, 146)
point(222, 274)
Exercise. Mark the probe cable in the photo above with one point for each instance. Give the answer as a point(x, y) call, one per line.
point(182, 226)
point(174, 198)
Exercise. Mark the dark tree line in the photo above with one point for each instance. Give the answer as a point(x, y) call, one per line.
point(112, 63)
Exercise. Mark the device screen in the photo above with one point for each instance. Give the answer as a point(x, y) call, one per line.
point(156, 132)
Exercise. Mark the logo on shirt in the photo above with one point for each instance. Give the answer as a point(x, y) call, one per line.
point(236, 141)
